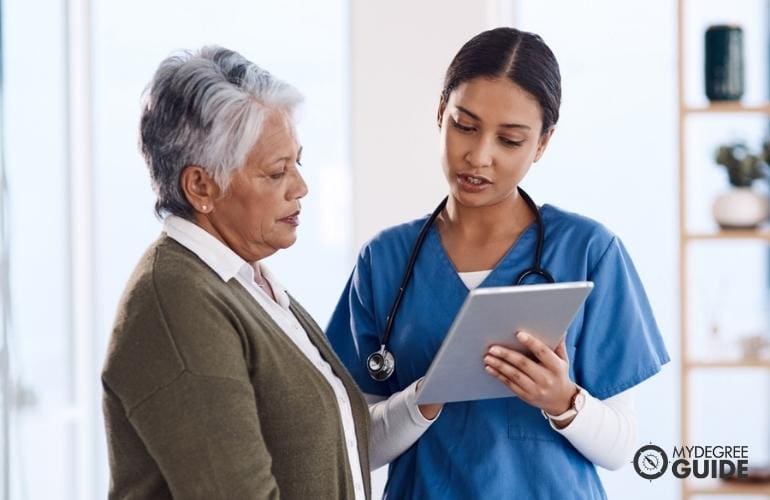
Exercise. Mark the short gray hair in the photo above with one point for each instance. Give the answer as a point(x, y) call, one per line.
point(205, 108)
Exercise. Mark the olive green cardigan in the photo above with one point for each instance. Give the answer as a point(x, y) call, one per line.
point(206, 397)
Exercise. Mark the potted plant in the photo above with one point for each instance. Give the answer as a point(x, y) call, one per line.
point(743, 206)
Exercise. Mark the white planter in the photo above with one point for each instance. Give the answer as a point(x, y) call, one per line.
point(741, 208)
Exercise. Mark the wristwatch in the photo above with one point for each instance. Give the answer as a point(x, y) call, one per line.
point(576, 404)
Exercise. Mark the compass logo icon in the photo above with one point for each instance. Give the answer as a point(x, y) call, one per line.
point(650, 461)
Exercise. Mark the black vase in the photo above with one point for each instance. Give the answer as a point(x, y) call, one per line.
point(724, 63)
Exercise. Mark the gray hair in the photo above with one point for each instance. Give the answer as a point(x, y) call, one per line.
point(205, 108)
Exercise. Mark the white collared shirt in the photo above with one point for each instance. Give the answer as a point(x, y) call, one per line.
point(228, 265)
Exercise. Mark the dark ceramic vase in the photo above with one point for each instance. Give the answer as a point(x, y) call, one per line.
point(724, 63)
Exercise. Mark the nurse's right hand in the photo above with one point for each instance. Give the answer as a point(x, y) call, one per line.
point(543, 382)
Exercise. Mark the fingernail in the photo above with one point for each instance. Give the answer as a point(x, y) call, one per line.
point(488, 369)
point(523, 336)
point(495, 351)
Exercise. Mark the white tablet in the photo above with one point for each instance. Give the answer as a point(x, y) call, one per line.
point(494, 316)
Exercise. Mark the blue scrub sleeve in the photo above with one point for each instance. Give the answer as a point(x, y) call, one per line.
point(620, 344)
point(352, 330)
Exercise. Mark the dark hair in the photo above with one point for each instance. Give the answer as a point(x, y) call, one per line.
point(522, 57)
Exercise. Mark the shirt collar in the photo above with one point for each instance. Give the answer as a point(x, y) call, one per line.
point(210, 250)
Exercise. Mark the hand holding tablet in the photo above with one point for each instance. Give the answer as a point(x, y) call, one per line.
point(543, 382)
point(493, 316)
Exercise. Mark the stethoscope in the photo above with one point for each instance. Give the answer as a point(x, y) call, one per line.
point(381, 363)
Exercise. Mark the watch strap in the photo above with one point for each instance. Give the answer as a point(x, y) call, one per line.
point(571, 411)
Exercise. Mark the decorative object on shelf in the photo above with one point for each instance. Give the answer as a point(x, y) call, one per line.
point(742, 207)
point(755, 347)
point(724, 63)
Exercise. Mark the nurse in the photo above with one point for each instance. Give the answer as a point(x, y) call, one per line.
point(574, 407)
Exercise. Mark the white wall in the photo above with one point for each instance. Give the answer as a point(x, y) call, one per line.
point(400, 50)
point(613, 156)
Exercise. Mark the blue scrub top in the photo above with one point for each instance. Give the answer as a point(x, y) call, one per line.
point(500, 448)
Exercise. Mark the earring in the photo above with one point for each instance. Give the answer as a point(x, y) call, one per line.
point(205, 208)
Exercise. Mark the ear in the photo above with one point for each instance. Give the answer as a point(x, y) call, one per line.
point(199, 188)
point(543, 143)
point(441, 108)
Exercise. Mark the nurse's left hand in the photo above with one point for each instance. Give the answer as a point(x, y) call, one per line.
point(544, 383)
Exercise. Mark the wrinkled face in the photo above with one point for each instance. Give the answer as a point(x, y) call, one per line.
point(490, 136)
point(259, 212)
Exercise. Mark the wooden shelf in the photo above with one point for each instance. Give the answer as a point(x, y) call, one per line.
point(728, 107)
point(730, 234)
point(740, 363)
point(686, 113)
point(727, 488)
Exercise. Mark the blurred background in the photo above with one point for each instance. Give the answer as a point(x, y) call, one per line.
point(642, 118)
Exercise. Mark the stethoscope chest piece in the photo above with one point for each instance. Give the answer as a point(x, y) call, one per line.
point(381, 364)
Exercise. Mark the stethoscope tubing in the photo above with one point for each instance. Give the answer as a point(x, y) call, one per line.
point(535, 270)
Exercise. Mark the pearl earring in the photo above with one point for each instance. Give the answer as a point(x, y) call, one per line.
point(205, 208)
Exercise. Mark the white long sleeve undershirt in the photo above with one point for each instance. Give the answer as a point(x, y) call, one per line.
point(603, 431)
point(396, 424)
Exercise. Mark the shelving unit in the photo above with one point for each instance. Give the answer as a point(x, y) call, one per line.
point(729, 235)
point(760, 363)
point(728, 107)
point(689, 490)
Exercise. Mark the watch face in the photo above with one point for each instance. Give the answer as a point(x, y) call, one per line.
point(650, 462)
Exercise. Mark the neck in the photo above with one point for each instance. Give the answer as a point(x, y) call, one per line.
point(250, 254)
point(487, 223)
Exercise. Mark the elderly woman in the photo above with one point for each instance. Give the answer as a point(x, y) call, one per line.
point(217, 383)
